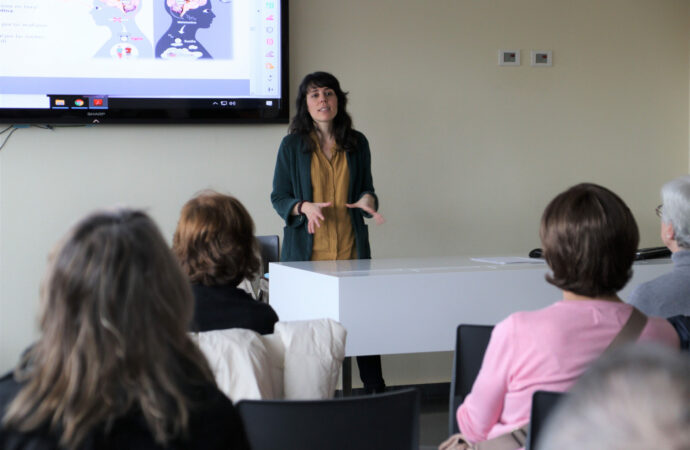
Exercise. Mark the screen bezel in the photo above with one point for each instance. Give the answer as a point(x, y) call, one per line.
point(178, 111)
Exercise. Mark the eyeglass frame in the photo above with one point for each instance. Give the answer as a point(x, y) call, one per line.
point(659, 210)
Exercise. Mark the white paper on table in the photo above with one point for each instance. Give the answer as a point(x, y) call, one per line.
point(509, 260)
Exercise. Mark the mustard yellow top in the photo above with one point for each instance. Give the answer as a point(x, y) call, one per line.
point(330, 180)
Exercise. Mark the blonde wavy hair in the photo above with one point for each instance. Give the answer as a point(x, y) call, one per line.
point(116, 308)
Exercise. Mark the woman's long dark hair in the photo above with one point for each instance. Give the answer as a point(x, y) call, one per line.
point(116, 307)
point(303, 124)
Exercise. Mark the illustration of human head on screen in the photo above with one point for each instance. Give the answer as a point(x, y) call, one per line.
point(179, 42)
point(127, 40)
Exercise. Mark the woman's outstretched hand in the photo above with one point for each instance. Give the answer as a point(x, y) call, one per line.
point(314, 214)
point(366, 203)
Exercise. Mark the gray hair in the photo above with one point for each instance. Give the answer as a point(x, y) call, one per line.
point(636, 398)
point(675, 196)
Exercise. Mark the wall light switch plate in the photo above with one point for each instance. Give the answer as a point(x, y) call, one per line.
point(541, 58)
point(509, 57)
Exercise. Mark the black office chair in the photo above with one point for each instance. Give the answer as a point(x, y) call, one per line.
point(470, 345)
point(543, 403)
point(270, 250)
point(376, 422)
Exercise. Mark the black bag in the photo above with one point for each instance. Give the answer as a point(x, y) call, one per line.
point(682, 326)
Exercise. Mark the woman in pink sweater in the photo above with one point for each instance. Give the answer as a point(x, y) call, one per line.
point(589, 237)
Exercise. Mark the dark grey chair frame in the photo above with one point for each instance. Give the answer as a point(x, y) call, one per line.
point(269, 246)
point(470, 345)
point(377, 422)
point(543, 404)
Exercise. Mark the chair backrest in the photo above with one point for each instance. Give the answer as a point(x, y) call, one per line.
point(543, 403)
point(376, 422)
point(470, 345)
point(270, 250)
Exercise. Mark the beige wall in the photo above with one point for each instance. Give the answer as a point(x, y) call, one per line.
point(465, 153)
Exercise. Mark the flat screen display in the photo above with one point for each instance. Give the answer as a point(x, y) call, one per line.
point(143, 61)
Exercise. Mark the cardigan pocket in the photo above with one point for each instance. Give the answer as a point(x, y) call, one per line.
point(296, 243)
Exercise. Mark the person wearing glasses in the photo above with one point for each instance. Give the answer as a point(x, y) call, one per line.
point(323, 188)
point(669, 294)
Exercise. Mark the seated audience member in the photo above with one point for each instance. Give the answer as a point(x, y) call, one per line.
point(589, 237)
point(669, 294)
point(636, 398)
point(216, 247)
point(114, 367)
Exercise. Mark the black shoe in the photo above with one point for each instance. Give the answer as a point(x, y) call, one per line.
point(369, 390)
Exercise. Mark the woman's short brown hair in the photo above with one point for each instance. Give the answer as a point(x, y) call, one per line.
point(214, 240)
point(589, 237)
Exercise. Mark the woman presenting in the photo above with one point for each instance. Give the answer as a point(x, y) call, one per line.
point(323, 189)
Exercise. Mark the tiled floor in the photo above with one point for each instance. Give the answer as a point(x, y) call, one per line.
point(433, 419)
point(433, 423)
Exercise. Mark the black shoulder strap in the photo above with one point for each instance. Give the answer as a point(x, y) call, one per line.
point(630, 331)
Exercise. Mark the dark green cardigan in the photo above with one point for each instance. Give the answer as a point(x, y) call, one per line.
point(292, 183)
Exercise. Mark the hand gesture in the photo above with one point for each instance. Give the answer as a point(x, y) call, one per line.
point(314, 214)
point(366, 204)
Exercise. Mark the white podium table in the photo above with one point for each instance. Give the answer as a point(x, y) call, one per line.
point(415, 305)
